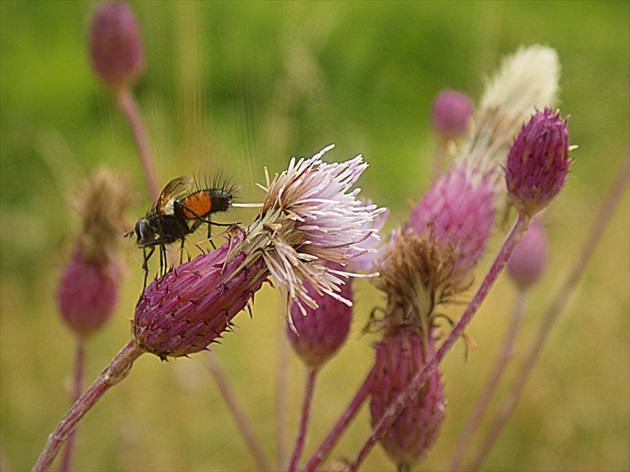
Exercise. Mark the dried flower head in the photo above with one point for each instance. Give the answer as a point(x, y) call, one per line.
point(538, 162)
point(529, 258)
point(527, 79)
point(115, 47)
point(451, 113)
point(88, 290)
point(399, 356)
point(309, 219)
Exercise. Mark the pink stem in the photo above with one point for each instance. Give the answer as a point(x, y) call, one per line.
point(560, 302)
point(116, 371)
point(130, 110)
point(282, 382)
point(77, 388)
point(422, 376)
point(237, 413)
point(331, 440)
point(481, 407)
point(311, 377)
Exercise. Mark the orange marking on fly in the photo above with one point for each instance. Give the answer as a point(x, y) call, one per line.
point(198, 204)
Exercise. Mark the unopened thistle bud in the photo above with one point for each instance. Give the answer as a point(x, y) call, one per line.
point(451, 113)
point(528, 260)
point(318, 335)
point(310, 218)
point(88, 290)
point(115, 47)
point(399, 356)
point(538, 162)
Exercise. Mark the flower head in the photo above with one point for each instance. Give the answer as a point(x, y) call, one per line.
point(88, 290)
point(451, 113)
point(399, 356)
point(526, 79)
point(538, 162)
point(115, 47)
point(317, 336)
point(310, 219)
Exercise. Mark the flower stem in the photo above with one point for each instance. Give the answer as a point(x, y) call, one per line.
point(481, 407)
point(282, 382)
point(237, 413)
point(311, 377)
point(129, 108)
point(116, 371)
point(402, 400)
point(560, 302)
point(348, 415)
point(77, 388)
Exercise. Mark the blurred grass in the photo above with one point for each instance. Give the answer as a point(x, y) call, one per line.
point(237, 86)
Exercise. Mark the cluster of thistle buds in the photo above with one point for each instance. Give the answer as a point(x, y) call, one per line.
point(313, 235)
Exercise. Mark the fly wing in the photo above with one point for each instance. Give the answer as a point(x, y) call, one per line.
point(173, 189)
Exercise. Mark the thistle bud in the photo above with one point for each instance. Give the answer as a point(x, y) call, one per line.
point(451, 113)
point(318, 335)
point(528, 260)
point(538, 162)
point(115, 47)
point(88, 290)
point(399, 356)
point(193, 304)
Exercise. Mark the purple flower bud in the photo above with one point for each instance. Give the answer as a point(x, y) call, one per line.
point(193, 304)
point(398, 358)
point(88, 289)
point(528, 260)
point(115, 48)
point(538, 162)
point(451, 112)
point(316, 336)
point(88, 293)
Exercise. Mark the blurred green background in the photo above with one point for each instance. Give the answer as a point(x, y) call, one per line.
point(236, 86)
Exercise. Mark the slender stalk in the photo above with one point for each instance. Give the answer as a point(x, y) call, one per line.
point(237, 413)
point(129, 108)
point(438, 158)
point(559, 303)
point(77, 388)
point(282, 382)
point(348, 415)
point(309, 389)
point(519, 228)
point(483, 402)
point(116, 371)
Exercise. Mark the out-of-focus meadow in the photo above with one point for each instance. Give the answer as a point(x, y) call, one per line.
point(234, 87)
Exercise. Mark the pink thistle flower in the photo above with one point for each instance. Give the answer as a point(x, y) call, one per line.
point(88, 290)
point(538, 162)
point(458, 213)
point(529, 258)
point(309, 219)
point(451, 113)
point(399, 356)
point(115, 47)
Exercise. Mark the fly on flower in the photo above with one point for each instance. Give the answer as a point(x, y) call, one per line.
point(177, 213)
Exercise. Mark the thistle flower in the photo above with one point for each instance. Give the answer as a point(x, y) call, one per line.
point(451, 113)
point(528, 260)
point(526, 79)
point(88, 290)
point(309, 218)
point(538, 162)
point(399, 357)
point(115, 47)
